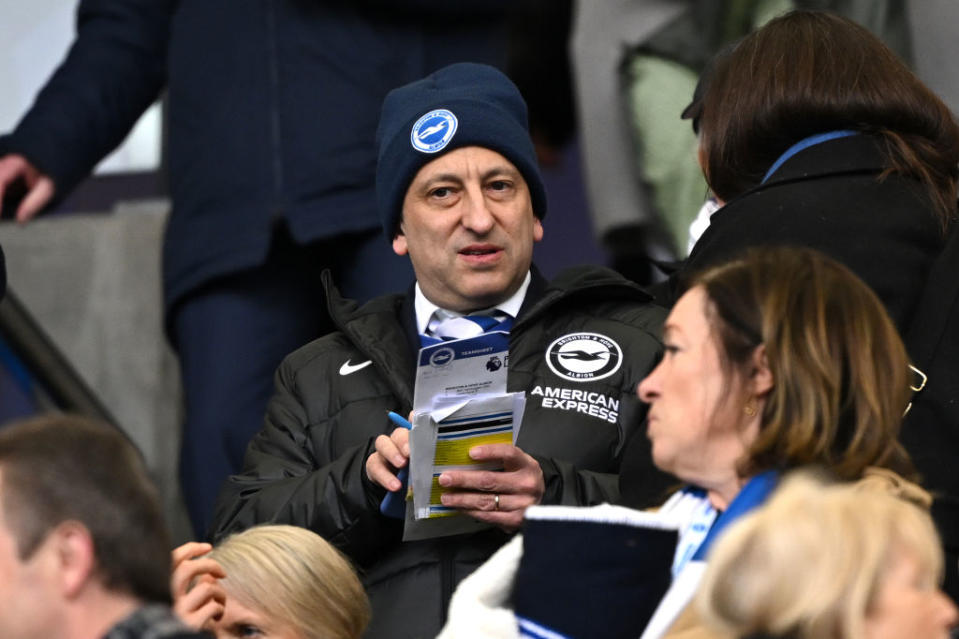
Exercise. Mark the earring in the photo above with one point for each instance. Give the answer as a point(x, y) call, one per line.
point(750, 407)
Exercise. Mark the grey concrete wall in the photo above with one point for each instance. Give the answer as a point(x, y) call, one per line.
point(93, 284)
point(935, 29)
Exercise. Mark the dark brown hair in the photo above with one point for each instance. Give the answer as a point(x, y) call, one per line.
point(811, 72)
point(59, 468)
point(840, 370)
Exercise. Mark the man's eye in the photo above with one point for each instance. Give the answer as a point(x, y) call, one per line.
point(670, 349)
point(249, 630)
point(499, 185)
point(441, 192)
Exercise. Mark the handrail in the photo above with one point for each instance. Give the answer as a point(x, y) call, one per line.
point(66, 389)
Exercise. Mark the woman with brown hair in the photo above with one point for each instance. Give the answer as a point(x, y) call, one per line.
point(779, 360)
point(813, 133)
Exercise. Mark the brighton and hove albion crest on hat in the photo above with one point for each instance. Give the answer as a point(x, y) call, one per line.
point(582, 357)
point(433, 131)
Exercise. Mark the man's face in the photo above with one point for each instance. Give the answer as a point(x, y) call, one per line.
point(469, 228)
point(25, 588)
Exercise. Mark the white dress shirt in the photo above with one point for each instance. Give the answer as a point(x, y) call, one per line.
point(427, 310)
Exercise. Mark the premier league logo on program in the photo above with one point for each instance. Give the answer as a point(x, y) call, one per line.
point(433, 131)
point(581, 357)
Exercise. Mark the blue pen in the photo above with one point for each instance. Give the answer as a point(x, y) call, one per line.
point(394, 504)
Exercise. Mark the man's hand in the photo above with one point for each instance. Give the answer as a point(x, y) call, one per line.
point(40, 187)
point(392, 453)
point(198, 597)
point(498, 497)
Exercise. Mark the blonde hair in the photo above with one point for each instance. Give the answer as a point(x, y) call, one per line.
point(809, 564)
point(295, 575)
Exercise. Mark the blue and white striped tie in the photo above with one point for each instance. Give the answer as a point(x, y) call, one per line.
point(467, 326)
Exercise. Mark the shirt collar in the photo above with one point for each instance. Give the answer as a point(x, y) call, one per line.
point(425, 308)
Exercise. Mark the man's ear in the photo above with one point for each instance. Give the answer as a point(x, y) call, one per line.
point(75, 555)
point(399, 242)
point(537, 230)
point(762, 380)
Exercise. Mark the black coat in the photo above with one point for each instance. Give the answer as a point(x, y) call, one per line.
point(273, 108)
point(829, 197)
point(307, 466)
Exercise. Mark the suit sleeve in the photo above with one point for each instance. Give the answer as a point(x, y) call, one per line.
point(114, 70)
point(287, 479)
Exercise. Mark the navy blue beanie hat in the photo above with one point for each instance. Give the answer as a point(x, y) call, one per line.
point(464, 104)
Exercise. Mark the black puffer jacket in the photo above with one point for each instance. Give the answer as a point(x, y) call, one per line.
point(307, 466)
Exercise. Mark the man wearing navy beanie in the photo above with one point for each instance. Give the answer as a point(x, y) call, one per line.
point(460, 192)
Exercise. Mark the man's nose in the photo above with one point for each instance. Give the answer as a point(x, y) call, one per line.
point(477, 216)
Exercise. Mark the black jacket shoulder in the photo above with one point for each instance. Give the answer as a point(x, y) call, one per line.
point(833, 197)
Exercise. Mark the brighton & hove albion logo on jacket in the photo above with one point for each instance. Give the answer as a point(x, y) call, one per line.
point(582, 357)
point(433, 131)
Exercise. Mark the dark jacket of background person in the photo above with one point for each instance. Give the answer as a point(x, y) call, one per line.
point(272, 110)
point(829, 197)
point(306, 467)
point(272, 113)
point(931, 427)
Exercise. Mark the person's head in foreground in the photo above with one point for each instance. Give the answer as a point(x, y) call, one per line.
point(778, 360)
point(829, 562)
point(83, 544)
point(813, 72)
point(458, 185)
point(273, 582)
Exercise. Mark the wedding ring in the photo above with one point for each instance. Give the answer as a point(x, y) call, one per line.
point(495, 502)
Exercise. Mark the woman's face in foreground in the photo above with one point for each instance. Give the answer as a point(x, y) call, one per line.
point(909, 605)
point(694, 420)
point(239, 621)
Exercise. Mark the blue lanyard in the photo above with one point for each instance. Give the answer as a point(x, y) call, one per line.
point(753, 494)
point(486, 322)
point(805, 143)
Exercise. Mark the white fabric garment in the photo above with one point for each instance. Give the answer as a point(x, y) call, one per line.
point(480, 608)
point(701, 223)
point(425, 309)
point(459, 327)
